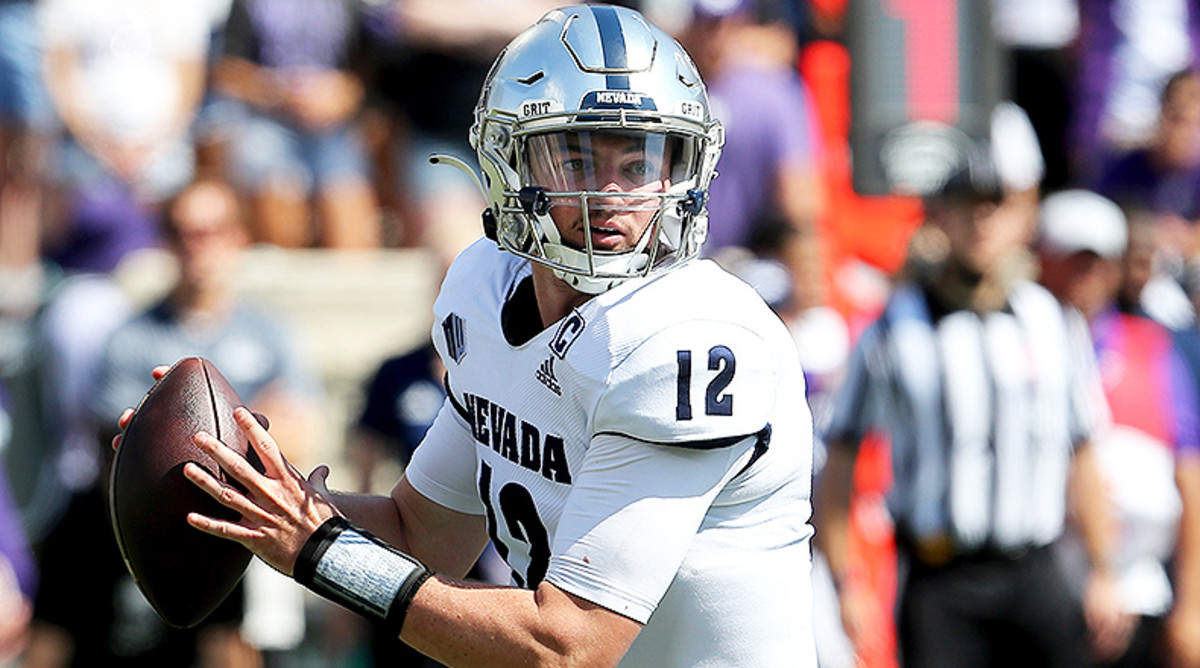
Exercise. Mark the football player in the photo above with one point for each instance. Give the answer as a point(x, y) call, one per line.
point(625, 421)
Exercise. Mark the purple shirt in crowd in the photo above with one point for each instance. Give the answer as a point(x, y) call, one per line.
point(1147, 380)
point(318, 34)
point(13, 546)
point(1133, 181)
point(1099, 48)
point(768, 122)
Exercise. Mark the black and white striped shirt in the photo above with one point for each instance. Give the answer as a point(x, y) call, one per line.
point(983, 412)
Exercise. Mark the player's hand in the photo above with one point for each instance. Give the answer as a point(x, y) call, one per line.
point(279, 510)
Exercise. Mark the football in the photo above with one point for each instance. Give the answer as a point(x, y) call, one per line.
point(184, 573)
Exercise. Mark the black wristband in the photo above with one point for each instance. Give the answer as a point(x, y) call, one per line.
point(352, 568)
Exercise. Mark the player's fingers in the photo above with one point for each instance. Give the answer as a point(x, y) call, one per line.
point(262, 442)
point(222, 528)
point(231, 462)
point(224, 494)
point(159, 371)
point(116, 442)
point(126, 416)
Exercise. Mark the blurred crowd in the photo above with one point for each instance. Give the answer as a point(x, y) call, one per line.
point(206, 128)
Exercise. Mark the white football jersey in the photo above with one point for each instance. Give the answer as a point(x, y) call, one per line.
point(651, 453)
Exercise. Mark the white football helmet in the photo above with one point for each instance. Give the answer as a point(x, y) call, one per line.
point(579, 77)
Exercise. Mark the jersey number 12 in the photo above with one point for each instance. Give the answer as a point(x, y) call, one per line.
point(716, 400)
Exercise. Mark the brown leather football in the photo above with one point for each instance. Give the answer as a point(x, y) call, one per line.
point(184, 573)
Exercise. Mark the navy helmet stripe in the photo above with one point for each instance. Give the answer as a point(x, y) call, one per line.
point(612, 41)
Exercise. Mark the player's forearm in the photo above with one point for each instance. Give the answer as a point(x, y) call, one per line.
point(481, 625)
point(458, 623)
point(415, 526)
point(375, 513)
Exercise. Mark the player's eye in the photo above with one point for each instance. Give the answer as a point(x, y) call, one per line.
point(638, 168)
point(574, 165)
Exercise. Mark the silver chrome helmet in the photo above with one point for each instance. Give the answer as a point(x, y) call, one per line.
point(580, 78)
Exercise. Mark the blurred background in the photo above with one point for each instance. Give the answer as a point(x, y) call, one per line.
point(249, 180)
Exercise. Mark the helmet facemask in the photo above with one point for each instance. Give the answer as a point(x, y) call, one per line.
point(604, 205)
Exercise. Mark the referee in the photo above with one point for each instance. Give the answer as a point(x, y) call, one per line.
point(968, 371)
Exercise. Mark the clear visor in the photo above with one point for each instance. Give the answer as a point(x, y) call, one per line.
point(638, 162)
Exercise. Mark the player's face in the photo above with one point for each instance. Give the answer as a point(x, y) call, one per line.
point(604, 163)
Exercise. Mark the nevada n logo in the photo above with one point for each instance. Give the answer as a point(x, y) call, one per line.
point(456, 339)
point(545, 374)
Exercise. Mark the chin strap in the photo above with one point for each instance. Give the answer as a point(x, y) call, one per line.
point(693, 204)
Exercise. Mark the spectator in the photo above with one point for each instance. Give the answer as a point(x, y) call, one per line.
point(1081, 235)
point(440, 45)
point(294, 65)
point(1150, 456)
point(203, 315)
point(402, 399)
point(82, 308)
point(967, 370)
point(1180, 632)
point(98, 613)
point(1163, 180)
point(18, 576)
point(126, 77)
point(769, 167)
point(26, 118)
point(1126, 51)
point(80, 313)
point(1164, 175)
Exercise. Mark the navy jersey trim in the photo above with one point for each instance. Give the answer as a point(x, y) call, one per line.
point(760, 448)
point(763, 438)
point(458, 408)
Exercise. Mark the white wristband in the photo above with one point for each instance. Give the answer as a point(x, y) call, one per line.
point(353, 568)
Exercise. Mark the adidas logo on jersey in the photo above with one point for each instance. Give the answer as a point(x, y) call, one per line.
point(545, 374)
